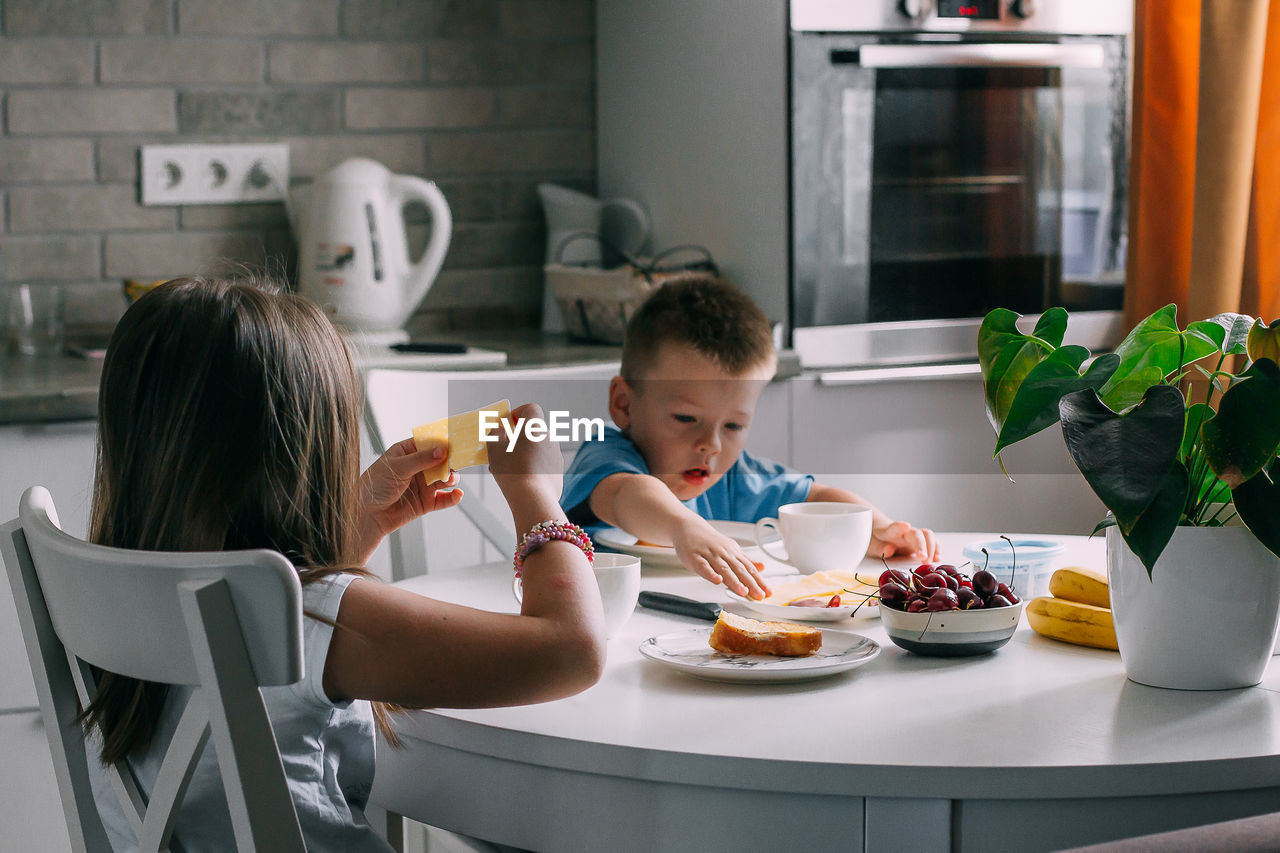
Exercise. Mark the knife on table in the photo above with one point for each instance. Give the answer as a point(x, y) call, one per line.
point(680, 605)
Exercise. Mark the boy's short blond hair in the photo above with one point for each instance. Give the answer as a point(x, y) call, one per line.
point(717, 320)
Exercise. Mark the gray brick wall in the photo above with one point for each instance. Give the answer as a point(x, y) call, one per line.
point(486, 97)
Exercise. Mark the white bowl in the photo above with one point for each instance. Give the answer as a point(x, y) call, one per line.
point(952, 633)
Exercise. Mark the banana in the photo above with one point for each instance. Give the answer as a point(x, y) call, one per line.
point(1079, 584)
point(1072, 622)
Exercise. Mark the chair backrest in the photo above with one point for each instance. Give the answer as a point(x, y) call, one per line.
point(224, 623)
point(398, 400)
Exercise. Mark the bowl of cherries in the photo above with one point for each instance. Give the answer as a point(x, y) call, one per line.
point(938, 610)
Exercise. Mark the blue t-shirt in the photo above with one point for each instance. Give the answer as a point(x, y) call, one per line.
point(749, 491)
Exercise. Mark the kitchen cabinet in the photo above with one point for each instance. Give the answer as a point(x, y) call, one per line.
point(916, 442)
point(691, 121)
point(59, 456)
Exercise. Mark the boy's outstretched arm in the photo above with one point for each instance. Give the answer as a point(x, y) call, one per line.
point(644, 507)
point(888, 537)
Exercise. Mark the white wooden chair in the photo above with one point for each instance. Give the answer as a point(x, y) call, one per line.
point(224, 623)
point(398, 400)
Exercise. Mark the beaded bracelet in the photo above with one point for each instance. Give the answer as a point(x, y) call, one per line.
point(546, 531)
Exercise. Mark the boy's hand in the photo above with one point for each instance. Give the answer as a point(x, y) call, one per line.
point(705, 551)
point(899, 538)
point(394, 492)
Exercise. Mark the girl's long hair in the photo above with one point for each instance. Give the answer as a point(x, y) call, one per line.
point(228, 418)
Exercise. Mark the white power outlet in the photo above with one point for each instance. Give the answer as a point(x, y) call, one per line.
point(214, 174)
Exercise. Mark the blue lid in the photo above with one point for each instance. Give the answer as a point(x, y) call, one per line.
point(1026, 548)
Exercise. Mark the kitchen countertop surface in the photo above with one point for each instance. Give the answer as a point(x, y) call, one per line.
point(62, 388)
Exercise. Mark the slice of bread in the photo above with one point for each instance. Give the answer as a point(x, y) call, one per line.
point(738, 635)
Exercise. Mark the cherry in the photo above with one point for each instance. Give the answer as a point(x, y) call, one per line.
point(923, 569)
point(947, 568)
point(999, 600)
point(1004, 590)
point(943, 599)
point(893, 594)
point(917, 605)
point(952, 583)
point(932, 581)
point(984, 583)
point(834, 602)
point(897, 576)
point(969, 599)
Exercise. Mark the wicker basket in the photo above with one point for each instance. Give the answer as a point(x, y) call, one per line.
point(597, 303)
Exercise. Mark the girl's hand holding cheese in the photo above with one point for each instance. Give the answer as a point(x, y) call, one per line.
point(395, 491)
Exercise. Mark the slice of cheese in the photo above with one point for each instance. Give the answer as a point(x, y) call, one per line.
point(853, 588)
point(461, 434)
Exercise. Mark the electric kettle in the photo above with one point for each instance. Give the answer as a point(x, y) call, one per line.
point(353, 255)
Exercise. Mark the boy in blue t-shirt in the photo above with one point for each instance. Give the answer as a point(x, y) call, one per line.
point(696, 356)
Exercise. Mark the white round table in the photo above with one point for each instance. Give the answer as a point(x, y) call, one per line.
point(1037, 746)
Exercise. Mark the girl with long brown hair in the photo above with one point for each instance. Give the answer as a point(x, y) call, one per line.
point(229, 419)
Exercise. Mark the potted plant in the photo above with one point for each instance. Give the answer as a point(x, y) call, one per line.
point(1192, 483)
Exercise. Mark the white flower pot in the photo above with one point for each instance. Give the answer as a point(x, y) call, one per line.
point(1207, 617)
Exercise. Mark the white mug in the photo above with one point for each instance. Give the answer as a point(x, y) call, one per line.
point(820, 535)
point(618, 577)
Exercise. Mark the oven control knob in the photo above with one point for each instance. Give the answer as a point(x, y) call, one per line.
point(1022, 8)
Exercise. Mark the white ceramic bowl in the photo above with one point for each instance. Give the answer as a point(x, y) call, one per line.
point(952, 633)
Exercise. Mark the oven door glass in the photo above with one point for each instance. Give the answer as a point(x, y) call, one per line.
point(927, 190)
point(965, 193)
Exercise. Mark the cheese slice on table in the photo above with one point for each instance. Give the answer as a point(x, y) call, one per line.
point(852, 587)
point(461, 434)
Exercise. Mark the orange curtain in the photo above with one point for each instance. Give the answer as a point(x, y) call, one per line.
point(1204, 215)
point(1261, 293)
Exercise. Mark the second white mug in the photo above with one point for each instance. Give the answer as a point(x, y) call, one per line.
point(618, 577)
point(819, 535)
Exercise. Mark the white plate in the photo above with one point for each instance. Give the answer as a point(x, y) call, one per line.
point(689, 652)
point(788, 613)
point(654, 556)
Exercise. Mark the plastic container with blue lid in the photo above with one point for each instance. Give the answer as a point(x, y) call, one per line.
point(1036, 559)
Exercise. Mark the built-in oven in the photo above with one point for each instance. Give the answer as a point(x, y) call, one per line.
point(949, 157)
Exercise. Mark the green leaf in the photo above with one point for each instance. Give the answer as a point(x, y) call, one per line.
point(1154, 527)
point(1209, 331)
point(1052, 326)
point(1125, 458)
point(1197, 416)
point(1264, 341)
point(1007, 357)
point(1035, 402)
point(1155, 344)
point(1109, 521)
point(1257, 501)
point(1246, 432)
point(1122, 394)
point(997, 331)
point(1237, 331)
point(1218, 492)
